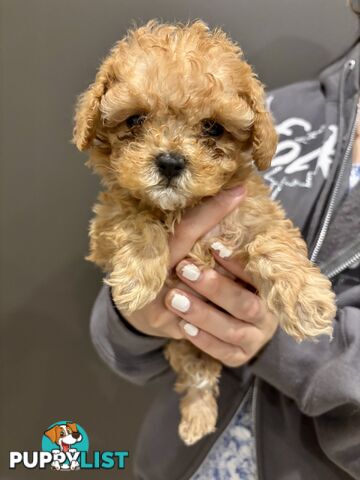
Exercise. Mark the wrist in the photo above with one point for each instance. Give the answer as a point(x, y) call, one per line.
point(126, 320)
point(133, 326)
point(129, 323)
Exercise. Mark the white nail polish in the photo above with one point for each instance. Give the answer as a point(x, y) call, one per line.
point(180, 302)
point(191, 272)
point(224, 252)
point(191, 329)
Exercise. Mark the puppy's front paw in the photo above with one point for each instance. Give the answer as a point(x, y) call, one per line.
point(133, 289)
point(131, 295)
point(74, 465)
point(55, 465)
point(308, 304)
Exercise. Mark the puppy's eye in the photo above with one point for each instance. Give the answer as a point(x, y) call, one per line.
point(62, 433)
point(212, 128)
point(135, 120)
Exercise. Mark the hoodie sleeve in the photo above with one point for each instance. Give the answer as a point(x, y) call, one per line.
point(323, 379)
point(134, 356)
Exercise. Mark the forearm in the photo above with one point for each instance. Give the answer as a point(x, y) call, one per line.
point(318, 376)
point(324, 380)
point(136, 357)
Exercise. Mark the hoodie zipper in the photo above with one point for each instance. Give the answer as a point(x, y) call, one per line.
point(346, 264)
point(346, 160)
point(354, 256)
point(254, 399)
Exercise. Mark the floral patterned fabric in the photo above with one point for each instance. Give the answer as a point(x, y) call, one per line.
point(233, 455)
point(354, 176)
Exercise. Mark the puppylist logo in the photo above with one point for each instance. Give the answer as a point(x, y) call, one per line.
point(65, 447)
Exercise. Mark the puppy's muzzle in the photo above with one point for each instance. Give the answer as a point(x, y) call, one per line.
point(170, 165)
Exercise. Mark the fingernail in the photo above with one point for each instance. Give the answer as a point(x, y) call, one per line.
point(190, 329)
point(190, 272)
point(180, 302)
point(236, 191)
point(223, 251)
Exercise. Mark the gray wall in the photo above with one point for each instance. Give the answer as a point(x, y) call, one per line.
point(50, 51)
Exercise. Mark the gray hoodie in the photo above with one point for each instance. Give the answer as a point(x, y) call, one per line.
point(305, 397)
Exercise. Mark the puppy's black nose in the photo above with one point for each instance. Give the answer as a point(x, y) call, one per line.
point(75, 434)
point(170, 164)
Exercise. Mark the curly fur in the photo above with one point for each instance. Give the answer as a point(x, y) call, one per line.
point(176, 76)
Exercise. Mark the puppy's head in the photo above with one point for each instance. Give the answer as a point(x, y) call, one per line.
point(174, 114)
point(64, 435)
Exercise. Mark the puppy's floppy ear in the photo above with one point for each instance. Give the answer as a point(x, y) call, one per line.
point(72, 427)
point(87, 112)
point(52, 433)
point(264, 136)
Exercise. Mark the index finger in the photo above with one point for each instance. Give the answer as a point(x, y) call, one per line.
point(201, 219)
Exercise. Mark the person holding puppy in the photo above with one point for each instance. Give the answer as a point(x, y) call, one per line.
point(286, 410)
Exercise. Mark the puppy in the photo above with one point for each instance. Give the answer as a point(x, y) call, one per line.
point(175, 115)
point(65, 436)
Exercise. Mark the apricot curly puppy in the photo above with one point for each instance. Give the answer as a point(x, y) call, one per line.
point(175, 114)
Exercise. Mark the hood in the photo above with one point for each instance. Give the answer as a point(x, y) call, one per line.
point(330, 77)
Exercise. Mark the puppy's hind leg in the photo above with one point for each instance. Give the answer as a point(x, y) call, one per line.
point(197, 380)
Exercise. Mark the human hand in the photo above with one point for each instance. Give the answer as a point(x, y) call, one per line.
point(155, 319)
point(237, 331)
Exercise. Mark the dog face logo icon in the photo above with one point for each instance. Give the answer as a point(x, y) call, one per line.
point(64, 435)
point(65, 440)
